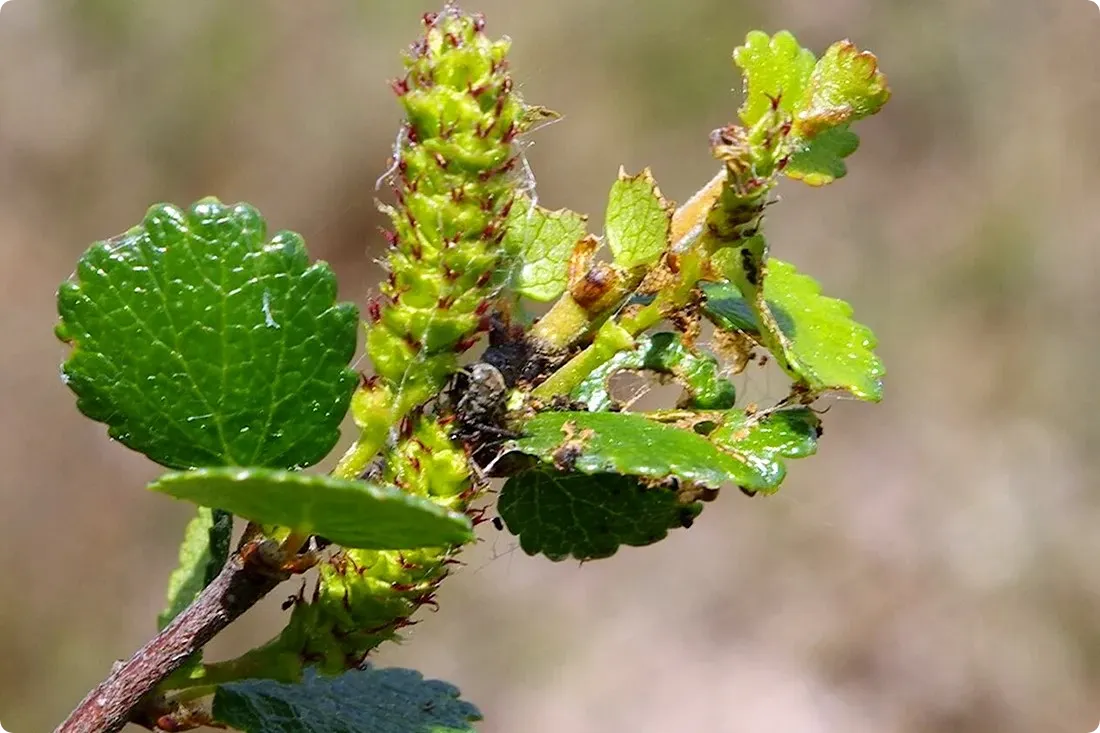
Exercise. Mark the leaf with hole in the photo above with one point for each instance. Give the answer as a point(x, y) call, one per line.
point(200, 342)
point(374, 700)
point(588, 516)
point(662, 353)
point(350, 513)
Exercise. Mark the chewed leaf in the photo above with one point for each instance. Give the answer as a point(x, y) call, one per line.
point(638, 220)
point(203, 552)
point(820, 160)
point(200, 342)
point(813, 337)
point(375, 700)
point(662, 353)
point(633, 445)
point(765, 440)
point(588, 517)
point(846, 85)
point(773, 68)
point(540, 242)
point(354, 514)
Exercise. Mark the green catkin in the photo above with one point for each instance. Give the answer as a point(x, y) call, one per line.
point(454, 190)
point(364, 597)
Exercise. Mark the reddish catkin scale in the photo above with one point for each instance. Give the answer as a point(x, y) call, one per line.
point(465, 344)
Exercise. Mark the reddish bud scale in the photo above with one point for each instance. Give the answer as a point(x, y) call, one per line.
point(465, 344)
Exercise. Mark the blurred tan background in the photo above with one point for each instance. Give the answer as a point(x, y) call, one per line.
point(932, 569)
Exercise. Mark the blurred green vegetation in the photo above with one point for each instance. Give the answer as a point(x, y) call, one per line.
point(930, 569)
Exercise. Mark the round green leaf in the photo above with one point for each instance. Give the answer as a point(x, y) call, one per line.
point(362, 700)
point(201, 343)
point(588, 517)
point(820, 160)
point(354, 514)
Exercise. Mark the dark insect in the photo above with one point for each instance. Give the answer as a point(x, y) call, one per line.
point(477, 397)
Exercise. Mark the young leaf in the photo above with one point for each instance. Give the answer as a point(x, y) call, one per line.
point(845, 86)
point(638, 220)
point(203, 553)
point(662, 353)
point(765, 440)
point(589, 517)
point(200, 343)
point(350, 513)
point(540, 242)
point(820, 160)
point(814, 338)
point(773, 68)
point(624, 443)
point(375, 700)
